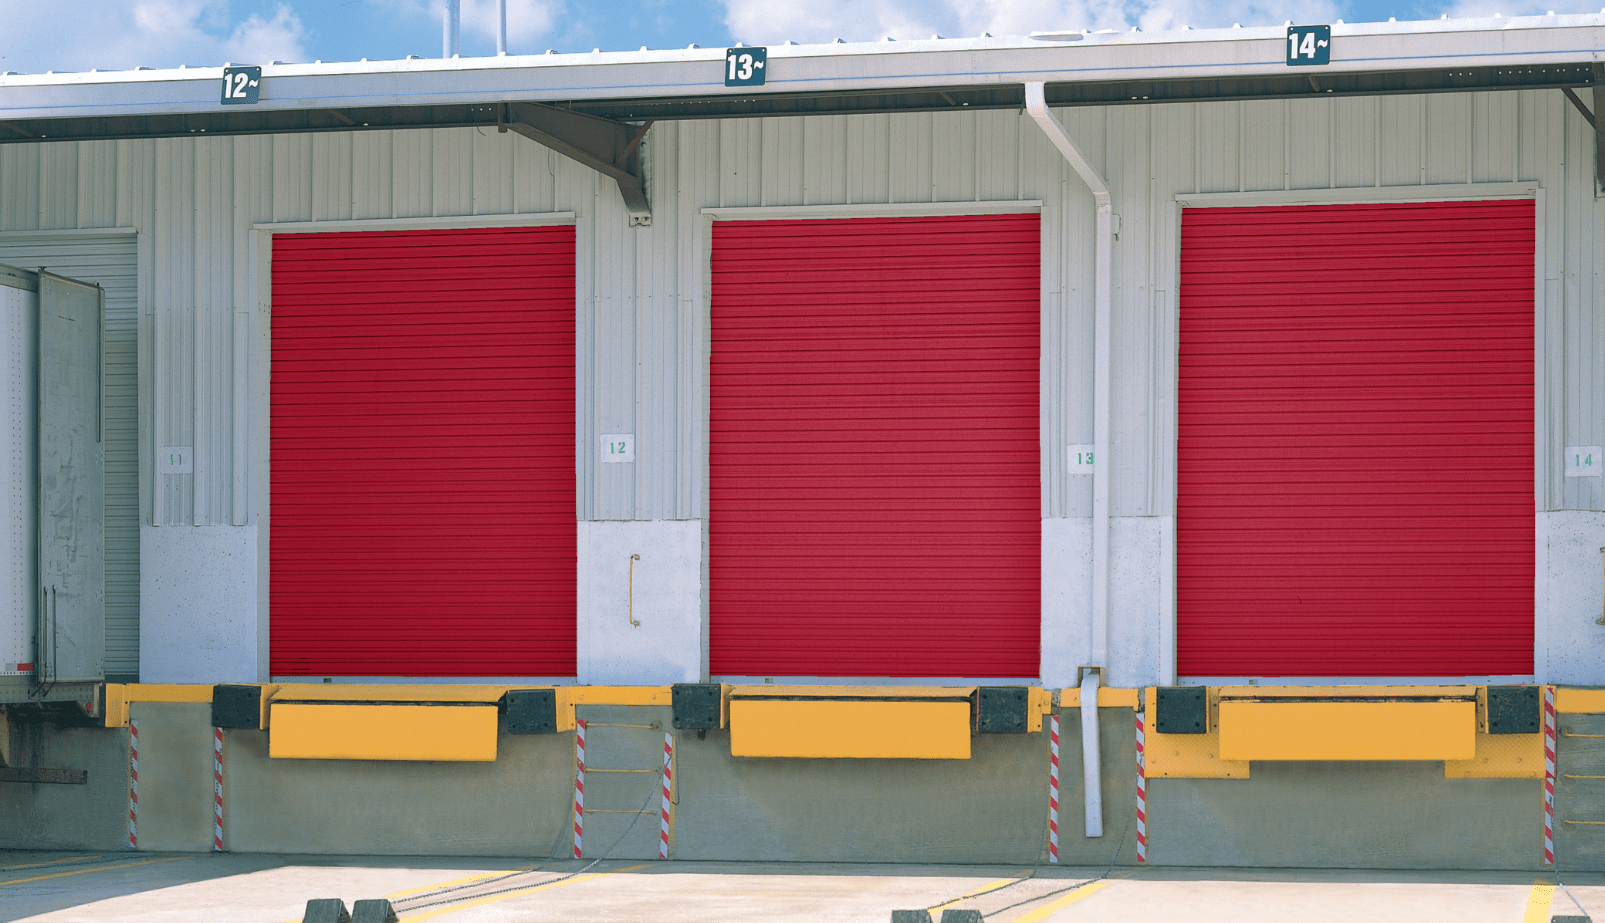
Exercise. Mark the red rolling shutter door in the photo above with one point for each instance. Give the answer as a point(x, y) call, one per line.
point(423, 488)
point(1355, 491)
point(874, 504)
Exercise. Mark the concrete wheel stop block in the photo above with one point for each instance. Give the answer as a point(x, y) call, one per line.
point(948, 916)
point(374, 911)
point(326, 910)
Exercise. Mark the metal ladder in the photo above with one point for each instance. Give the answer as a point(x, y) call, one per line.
point(631, 768)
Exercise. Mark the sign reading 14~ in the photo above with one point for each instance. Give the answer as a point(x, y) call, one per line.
point(744, 67)
point(1308, 45)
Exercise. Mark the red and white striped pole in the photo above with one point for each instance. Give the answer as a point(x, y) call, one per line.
point(1142, 795)
point(217, 789)
point(1053, 788)
point(133, 783)
point(1549, 775)
point(579, 784)
point(668, 790)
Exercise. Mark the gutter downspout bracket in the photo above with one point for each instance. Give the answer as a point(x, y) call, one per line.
point(609, 147)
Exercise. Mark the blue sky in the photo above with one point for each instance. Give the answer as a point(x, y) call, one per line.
point(118, 34)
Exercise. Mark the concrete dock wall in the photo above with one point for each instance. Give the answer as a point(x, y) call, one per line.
point(991, 808)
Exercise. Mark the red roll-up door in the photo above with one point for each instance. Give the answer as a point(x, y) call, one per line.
point(874, 505)
point(423, 487)
point(1355, 452)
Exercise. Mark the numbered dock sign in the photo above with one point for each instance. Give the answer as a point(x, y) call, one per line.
point(618, 447)
point(1308, 45)
point(1582, 461)
point(241, 85)
point(744, 67)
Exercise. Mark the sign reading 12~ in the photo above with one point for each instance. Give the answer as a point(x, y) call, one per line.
point(241, 85)
point(744, 67)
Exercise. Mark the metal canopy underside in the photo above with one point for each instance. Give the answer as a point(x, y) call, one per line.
point(605, 134)
point(1294, 85)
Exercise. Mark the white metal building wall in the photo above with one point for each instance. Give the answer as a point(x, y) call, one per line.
point(642, 291)
point(107, 259)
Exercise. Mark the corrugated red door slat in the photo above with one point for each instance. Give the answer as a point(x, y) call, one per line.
point(423, 487)
point(1355, 493)
point(874, 505)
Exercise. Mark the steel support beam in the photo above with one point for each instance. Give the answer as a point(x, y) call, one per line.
point(1599, 128)
point(611, 148)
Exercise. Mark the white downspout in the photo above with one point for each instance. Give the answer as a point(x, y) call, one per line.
point(1091, 761)
point(451, 28)
point(1036, 104)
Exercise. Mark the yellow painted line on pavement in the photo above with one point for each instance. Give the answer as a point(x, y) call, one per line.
point(104, 868)
point(431, 914)
point(1538, 902)
point(34, 865)
point(984, 889)
point(459, 881)
point(1084, 891)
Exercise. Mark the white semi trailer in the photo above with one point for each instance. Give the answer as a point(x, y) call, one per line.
point(52, 489)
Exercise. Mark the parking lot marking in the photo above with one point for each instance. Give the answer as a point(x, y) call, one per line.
point(34, 865)
point(491, 899)
point(104, 868)
point(1084, 891)
point(459, 881)
point(988, 887)
point(1538, 902)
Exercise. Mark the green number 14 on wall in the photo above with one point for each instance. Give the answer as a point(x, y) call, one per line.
point(1582, 461)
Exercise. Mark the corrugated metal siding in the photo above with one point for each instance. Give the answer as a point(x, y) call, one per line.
point(423, 466)
point(108, 260)
point(874, 490)
point(652, 293)
point(1356, 441)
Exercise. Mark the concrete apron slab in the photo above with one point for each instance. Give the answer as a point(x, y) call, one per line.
point(168, 888)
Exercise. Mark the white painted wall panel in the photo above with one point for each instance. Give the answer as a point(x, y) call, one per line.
point(200, 620)
point(662, 591)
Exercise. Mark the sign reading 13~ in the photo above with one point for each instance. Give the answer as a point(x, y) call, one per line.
point(744, 67)
point(1309, 45)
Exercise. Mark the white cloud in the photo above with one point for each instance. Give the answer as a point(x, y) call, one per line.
point(155, 33)
point(527, 20)
point(775, 21)
point(260, 40)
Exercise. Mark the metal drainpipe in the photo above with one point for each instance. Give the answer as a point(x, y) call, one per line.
point(1091, 761)
point(451, 29)
point(1036, 104)
point(501, 27)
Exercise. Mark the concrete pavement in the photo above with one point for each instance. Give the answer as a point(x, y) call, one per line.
point(51, 887)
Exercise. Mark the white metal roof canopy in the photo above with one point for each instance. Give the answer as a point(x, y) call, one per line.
point(595, 108)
